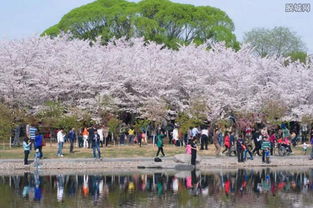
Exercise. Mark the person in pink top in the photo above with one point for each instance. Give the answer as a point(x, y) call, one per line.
point(188, 149)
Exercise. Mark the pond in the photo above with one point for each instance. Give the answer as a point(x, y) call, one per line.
point(219, 188)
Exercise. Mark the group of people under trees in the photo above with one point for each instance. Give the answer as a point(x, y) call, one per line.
point(259, 141)
point(251, 141)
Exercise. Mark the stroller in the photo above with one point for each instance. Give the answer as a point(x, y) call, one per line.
point(283, 146)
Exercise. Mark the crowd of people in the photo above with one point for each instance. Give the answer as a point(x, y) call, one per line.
point(244, 144)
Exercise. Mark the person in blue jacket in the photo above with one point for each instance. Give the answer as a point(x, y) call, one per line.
point(39, 143)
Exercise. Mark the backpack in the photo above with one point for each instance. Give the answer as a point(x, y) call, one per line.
point(157, 159)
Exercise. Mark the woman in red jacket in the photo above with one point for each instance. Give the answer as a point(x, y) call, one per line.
point(226, 142)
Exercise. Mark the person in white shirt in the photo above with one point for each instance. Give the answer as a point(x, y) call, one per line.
point(60, 138)
point(204, 139)
point(175, 135)
point(100, 132)
point(195, 131)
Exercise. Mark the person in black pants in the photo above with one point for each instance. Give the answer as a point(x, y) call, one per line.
point(72, 138)
point(204, 139)
point(91, 135)
point(26, 147)
point(257, 138)
point(240, 148)
point(193, 151)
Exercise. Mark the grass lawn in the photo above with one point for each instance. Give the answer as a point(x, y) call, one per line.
point(111, 151)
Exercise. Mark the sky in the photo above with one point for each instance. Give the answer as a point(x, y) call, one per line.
point(24, 18)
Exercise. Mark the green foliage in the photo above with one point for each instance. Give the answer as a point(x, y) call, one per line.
point(53, 31)
point(279, 41)
point(300, 56)
point(6, 122)
point(184, 122)
point(141, 125)
point(113, 125)
point(51, 114)
point(274, 110)
point(162, 21)
point(68, 122)
point(223, 124)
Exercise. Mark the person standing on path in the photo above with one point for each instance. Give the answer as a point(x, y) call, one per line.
point(100, 132)
point(193, 151)
point(32, 135)
point(91, 133)
point(38, 143)
point(204, 138)
point(72, 138)
point(216, 143)
point(139, 138)
point(131, 135)
point(240, 148)
point(96, 145)
point(160, 144)
point(26, 147)
point(227, 143)
point(266, 146)
point(60, 138)
point(311, 141)
point(85, 137)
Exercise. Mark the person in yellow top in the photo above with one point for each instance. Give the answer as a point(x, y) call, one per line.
point(131, 134)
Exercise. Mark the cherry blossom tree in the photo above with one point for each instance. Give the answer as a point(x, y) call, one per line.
point(134, 73)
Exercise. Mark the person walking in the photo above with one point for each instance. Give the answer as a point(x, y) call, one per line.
point(257, 138)
point(248, 145)
point(72, 138)
point(226, 143)
point(26, 147)
point(160, 144)
point(39, 143)
point(96, 146)
point(60, 138)
point(85, 137)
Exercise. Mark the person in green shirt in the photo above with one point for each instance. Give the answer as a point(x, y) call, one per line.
point(266, 146)
point(285, 130)
point(160, 144)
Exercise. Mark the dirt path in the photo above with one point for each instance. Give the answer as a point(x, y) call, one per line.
point(131, 164)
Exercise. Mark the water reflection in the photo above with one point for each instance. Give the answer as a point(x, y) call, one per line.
point(242, 188)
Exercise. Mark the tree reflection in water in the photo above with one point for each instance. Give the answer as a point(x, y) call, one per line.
point(241, 188)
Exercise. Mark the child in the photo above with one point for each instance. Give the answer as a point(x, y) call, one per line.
point(188, 149)
point(26, 147)
point(266, 146)
point(305, 147)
